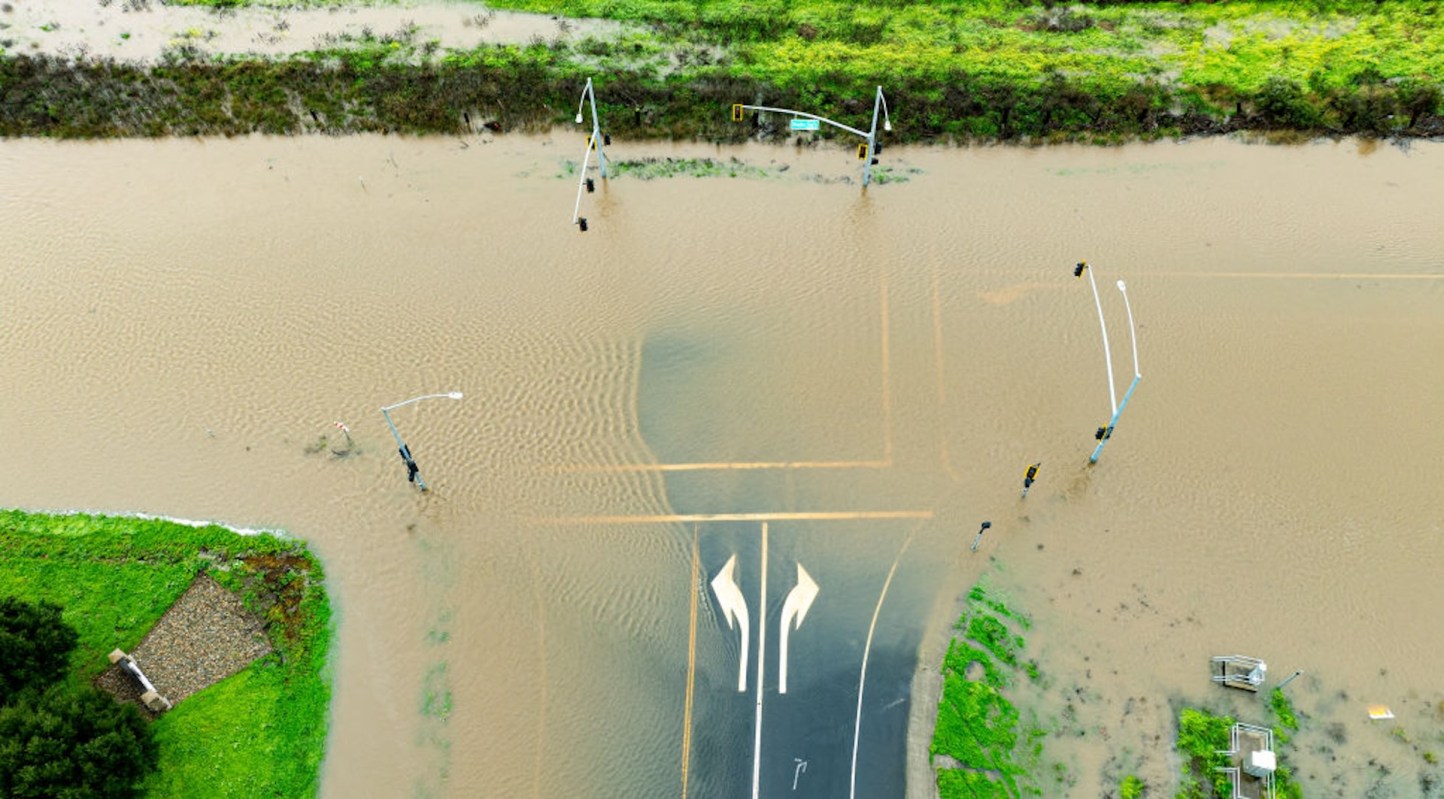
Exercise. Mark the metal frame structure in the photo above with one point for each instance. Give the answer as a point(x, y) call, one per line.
point(879, 103)
point(1254, 666)
point(1236, 772)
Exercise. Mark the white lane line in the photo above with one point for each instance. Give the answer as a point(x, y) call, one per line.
point(840, 516)
point(761, 658)
point(862, 680)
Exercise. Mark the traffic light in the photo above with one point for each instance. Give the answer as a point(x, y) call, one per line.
point(736, 112)
point(1078, 270)
point(1103, 434)
point(591, 186)
point(862, 152)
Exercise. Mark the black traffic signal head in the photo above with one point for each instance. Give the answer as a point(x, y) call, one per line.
point(1078, 270)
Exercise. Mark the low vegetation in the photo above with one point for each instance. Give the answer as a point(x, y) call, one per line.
point(260, 732)
point(1201, 738)
point(1021, 70)
point(981, 747)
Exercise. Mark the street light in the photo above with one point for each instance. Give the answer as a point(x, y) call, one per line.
point(1105, 433)
point(868, 151)
point(596, 140)
point(413, 474)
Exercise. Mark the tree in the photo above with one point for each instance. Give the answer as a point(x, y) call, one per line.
point(34, 645)
point(67, 744)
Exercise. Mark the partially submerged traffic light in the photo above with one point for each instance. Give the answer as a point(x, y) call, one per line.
point(1078, 270)
point(1103, 434)
point(1030, 476)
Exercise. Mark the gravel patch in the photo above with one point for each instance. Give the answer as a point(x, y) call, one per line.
point(205, 637)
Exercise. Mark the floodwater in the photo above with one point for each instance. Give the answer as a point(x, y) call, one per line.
point(787, 371)
point(142, 30)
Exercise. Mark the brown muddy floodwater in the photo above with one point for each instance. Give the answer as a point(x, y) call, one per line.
point(181, 321)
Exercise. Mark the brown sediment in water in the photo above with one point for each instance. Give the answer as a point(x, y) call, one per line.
point(182, 318)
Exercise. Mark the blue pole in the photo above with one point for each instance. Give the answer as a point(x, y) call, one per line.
point(1108, 431)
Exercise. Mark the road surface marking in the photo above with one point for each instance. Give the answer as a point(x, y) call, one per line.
point(867, 650)
point(761, 659)
point(724, 466)
point(799, 599)
point(742, 517)
point(1307, 275)
point(734, 607)
point(938, 371)
point(798, 771)
point(886, 371)
point(691, 668)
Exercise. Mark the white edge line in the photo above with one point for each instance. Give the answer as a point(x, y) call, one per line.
point(862, 679)
point(761, 659)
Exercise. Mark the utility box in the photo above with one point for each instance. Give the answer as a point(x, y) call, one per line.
point(1260, 763)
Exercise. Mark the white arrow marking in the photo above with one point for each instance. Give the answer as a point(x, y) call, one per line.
point(799, 599)
point(729, 596)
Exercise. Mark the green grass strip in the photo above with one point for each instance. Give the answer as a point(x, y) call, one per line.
point(259, 733)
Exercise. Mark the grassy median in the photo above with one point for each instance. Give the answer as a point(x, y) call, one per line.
point(957, 71)
point(260, 732)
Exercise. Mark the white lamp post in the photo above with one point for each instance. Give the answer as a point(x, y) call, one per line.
point(1104, 433)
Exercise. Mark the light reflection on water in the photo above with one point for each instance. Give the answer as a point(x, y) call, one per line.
point(180, 320)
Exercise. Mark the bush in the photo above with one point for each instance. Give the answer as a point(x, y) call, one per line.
point(72, 745)
point(1281, 103)
point(34, 645)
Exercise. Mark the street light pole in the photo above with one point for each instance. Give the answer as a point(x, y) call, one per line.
point(413, 474)
point(1105, 433)
point(596, 140)
point(879, 103)
point(589, 93)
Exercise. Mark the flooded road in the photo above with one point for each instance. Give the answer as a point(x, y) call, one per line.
point(781, 370)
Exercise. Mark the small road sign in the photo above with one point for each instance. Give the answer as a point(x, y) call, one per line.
point(805, 124)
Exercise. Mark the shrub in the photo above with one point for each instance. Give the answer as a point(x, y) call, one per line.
point(74, 745)
point(1281, 103)
point(34, 645)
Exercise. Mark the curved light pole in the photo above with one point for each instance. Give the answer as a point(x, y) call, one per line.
point(879, 103)
point(596, 140)
point(1105, 433)
point(413, 474)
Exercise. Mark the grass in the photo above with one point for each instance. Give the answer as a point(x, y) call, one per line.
point(980, 70)
point(1201, 736)
point(258, 733)
point(978, 727)
point(1130, 788)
